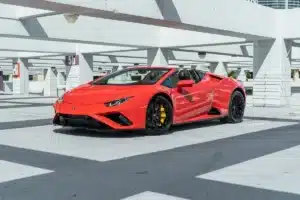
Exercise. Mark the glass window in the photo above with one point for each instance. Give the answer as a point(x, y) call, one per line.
point(195, 76)
point(133, 76)
point(171, 81)
point(201, 74)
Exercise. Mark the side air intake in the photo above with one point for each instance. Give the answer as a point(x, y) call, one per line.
point(119, 118)
point(214, 111)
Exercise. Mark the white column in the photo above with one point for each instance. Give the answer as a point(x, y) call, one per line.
point(50, 88)
point(81, 73)
point(157, 57)
point(61, 78)
point(272, 73)
point(219, 68)
point(21, 83)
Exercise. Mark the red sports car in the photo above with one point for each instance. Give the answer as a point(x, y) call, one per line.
point(151, 98)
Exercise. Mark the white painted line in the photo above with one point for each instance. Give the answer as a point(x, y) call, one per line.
point(152, 196)
point(258, 124)
point(23, 114)
point(4, 104)
point(12, 171)
point(277, 171)
point(37, 100)
point(108, 148)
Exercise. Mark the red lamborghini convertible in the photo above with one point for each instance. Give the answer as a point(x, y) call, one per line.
point(151, 98)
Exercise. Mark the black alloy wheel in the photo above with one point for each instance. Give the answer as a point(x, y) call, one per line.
point(236, 108)
point(159, 117)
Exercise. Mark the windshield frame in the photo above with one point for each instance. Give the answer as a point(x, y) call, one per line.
point(101, 80)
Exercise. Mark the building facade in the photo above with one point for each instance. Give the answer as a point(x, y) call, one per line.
point(280, 4)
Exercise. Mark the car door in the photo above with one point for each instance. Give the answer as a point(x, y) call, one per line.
point(205, 91)
point(186, 100)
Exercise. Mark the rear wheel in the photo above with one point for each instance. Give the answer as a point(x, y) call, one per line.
point(236, 108)
point(159, 116)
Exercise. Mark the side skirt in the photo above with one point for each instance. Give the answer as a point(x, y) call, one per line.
point(213, 114)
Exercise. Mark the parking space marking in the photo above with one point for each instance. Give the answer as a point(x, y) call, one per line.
point(12, 171)
point(152, 196)
point(108, 146)
point(277, 171)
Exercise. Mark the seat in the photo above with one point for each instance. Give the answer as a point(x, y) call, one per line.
point(184, 75)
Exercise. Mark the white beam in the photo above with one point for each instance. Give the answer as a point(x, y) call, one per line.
point(42, 61)
point(33, 55)
point(8, 54)
point(170, 37)
point(135, 54)
point(25, 12)
point(196, 15)
point(40, 46)
point(46, 65)
point(8, 11)
point(88, 30)
point(172, 55)
point(179, 55)
point(241, 50)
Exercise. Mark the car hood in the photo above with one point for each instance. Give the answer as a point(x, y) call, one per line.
point(91, 94)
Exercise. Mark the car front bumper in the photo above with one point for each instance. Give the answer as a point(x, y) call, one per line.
point(122, 117)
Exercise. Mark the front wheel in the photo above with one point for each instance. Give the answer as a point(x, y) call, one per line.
point(236, 108)
point(159, 116)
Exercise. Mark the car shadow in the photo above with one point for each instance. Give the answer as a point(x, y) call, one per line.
point(132, 134)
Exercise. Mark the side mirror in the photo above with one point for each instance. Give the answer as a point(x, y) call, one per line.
point(185, 83)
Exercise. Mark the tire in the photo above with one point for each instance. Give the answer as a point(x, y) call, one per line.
point(159, 120)
point(236, 108)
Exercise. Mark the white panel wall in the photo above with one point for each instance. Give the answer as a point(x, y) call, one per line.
point(288, 21)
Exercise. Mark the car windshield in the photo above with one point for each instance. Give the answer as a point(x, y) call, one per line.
point(134, 76)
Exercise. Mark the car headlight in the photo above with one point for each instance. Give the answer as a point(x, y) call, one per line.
point(117, 102)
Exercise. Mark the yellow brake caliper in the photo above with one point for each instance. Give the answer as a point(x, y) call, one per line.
point(163, 114)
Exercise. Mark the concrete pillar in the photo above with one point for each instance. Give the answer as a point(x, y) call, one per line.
point(81, 73)
point(241, 75)
point(50, 88)
point(272, 73)
point(219, 68)
point(157, 57)
point(21, 81)
point(61, 78)
point(296, 76)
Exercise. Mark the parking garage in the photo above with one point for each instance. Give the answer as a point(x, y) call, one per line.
point(48, 48)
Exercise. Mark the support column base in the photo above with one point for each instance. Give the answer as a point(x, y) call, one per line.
point(272, 91)
point(16, 86)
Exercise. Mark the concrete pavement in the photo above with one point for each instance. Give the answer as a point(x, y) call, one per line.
point(256, 159)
